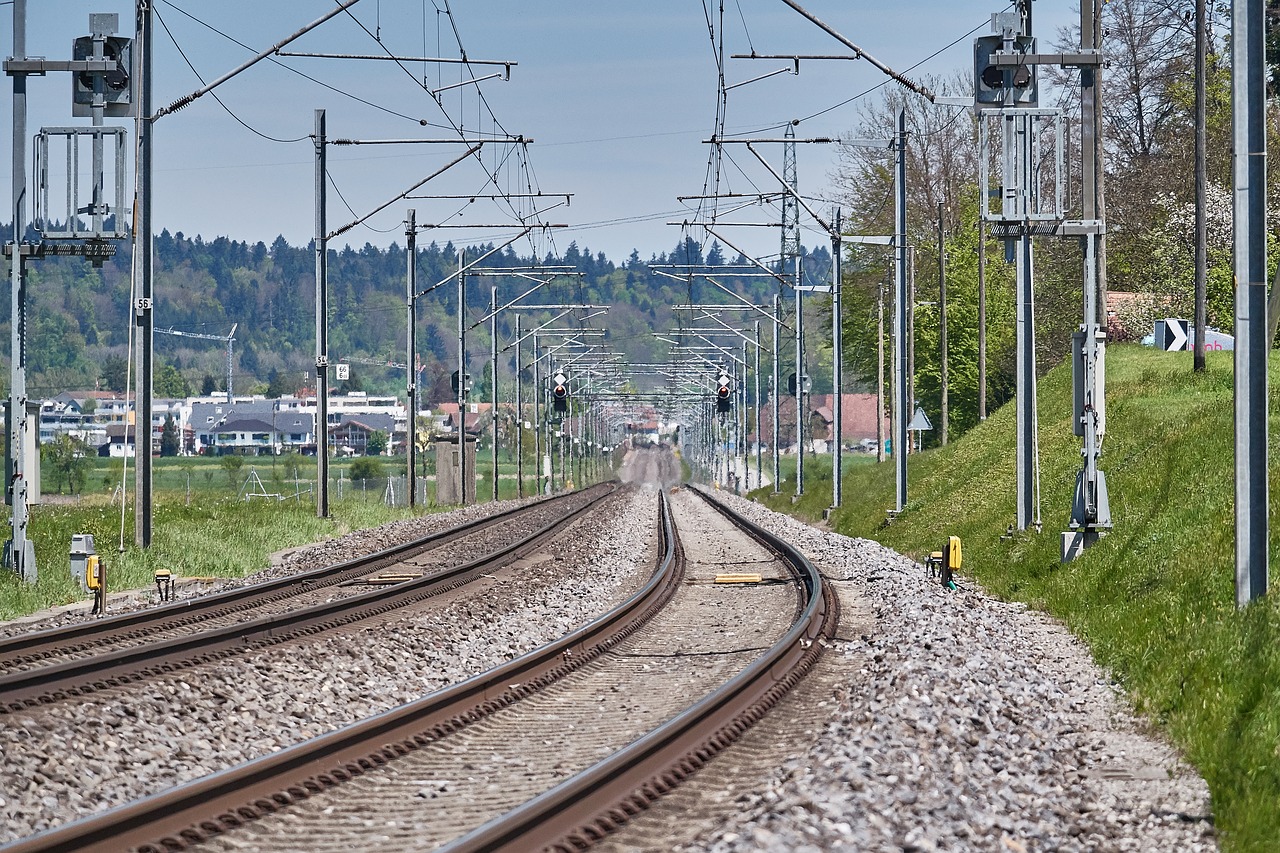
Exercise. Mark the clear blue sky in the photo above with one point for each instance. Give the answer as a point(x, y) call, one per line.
point(617, 96)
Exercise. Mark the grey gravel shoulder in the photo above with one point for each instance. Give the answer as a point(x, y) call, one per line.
point(970, 724)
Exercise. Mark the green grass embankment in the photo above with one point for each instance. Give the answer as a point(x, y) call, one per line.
point(1155, 599)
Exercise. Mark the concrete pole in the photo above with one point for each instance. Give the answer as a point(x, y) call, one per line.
point(462, 378)
point(322, 326)
point(837, 369)
point(799, 384)
point(900, 400)
point(880, 289)
point(1249, 166)
point(537, 418)
point(759, 433)
point(1018, 148)
point(741, 431)
point(411, 278)
point(910, 306)
point(942, 321)
point(144, 315)
point(519, 418)
point(982, 319)
point(493, 372)
point(777, 352)
point(1201, 183)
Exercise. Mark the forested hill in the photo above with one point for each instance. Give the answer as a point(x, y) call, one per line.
point(80, 315)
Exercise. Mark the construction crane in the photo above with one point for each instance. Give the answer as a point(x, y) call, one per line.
point(377, 361)
point(228, 338)
point(394, 365)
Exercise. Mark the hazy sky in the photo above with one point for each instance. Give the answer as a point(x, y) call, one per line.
point(617, 96)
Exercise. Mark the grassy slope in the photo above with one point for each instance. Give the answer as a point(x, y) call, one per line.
point(1155, 599)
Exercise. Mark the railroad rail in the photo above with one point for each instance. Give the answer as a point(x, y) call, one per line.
point(57, 682)
point(587, 807)
point(571, 815)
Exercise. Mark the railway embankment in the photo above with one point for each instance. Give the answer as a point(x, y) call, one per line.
point(1154, 600)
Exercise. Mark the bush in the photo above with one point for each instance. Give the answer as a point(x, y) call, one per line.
point(366, 468)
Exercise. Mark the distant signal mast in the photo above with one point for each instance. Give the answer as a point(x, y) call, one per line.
point(228, 338)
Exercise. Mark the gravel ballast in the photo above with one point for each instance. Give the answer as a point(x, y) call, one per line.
point(959, 722)
point(68, 760)
point(966, 723)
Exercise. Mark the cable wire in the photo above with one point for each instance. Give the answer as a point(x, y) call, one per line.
point(305, 76)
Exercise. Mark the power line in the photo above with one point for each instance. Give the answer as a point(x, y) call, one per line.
point(221, 103)
point(305, 76)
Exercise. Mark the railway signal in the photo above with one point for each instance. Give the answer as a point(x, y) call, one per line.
point(117, 89)
point(560, 391)
point(993, 81)
point(724, 393)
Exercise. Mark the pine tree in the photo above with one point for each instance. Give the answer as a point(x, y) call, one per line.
point(170, 444)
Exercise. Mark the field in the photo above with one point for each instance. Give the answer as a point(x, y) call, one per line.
point(203, 525)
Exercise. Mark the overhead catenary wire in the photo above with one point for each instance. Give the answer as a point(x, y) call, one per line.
point(221, 102)
point(305, 76)
point(491, 173)
point(872, 89)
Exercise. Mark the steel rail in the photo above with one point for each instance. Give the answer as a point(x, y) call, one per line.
point(181, 817)
point(586, 807)
point(24, 647)
point(45, 685)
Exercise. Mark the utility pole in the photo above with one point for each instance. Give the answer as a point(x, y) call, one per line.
point(1090, 510)
point(1249, 166)
point(90, 62)
point(789, 257)
point(322, 323)
point(799, 383)
point(790, 205)
point(759, 433)
point(462, 378)
point(900, 400)
point(22, 553)
point(777, 430)
point(1201, 181)
point(493, 372)
point(519, 417)
point(982, 319)
point(880, 289)
point(837, 374)
point(1017, 140)
point(942, 321)
point(411, 450)
point(910, 406)
point(144, 316)
point(741, 411)
point(538, 391)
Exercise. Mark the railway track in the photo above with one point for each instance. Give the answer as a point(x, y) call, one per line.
point(680, 634)
point(56, 664)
